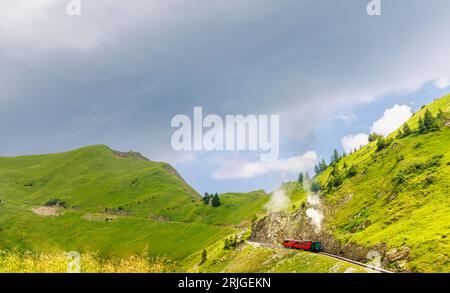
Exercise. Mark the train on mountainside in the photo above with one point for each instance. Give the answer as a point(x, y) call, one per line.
point(302, 245)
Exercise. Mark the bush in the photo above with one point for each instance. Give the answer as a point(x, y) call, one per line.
point(56, 202)
point(352, 171)
point(204, 256)
point(315, 187)
point(231, 243)
point(374, 136)
point(383, 143)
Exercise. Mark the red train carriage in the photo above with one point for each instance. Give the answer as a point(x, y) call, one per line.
point(302, 245)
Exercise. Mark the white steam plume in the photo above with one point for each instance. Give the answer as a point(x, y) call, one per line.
point(313, 213)
point(278, 201)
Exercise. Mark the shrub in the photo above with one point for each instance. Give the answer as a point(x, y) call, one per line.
point(315, 187)
point(55, 202)
point(352, 171)
point(374, 136)
point(204, 256)
point(383, 143)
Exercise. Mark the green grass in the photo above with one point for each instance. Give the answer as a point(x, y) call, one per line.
point(413, 211)
point(155, 208)
point(249, 259)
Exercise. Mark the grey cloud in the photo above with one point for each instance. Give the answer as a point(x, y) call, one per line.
point(118, 73)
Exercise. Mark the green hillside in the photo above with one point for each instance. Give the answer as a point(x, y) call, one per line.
point(252, 259)
point(399, 195)
point(113, 203)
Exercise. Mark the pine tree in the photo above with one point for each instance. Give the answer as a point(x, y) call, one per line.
point(336, 157)
point(226, 244)
point(374, 136)
point(421, 125)
point(429, 122)
point(427, 119)
point(406, 130)
point(315, 187)
point(215, 202)
point(300, 178)
point(352, 171)
point(317, 169)
point(204, 256)
point(381, 143)
point(323, 165)
point(206, 198)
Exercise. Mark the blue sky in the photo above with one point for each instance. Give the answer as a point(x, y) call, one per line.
point(118, 73)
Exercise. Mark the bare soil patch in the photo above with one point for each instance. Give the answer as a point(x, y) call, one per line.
point(46, 211)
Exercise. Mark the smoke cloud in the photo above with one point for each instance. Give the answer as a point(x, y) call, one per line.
point(279, 201)
point(313, 213)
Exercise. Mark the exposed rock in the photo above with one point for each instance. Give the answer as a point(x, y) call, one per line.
point(276, 227)
point(397, 254)
point(130, 155)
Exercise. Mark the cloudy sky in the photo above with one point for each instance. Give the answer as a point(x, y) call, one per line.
point(118, 73)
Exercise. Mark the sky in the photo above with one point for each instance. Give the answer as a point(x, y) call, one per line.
point(118, 73)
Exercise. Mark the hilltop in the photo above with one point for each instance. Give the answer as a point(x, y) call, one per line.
point(115, 203)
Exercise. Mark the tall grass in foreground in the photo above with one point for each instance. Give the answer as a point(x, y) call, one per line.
point(18, 262)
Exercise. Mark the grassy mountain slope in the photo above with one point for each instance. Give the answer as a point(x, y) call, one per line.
point(253, 259)
point(399, 196)
point(116, 204)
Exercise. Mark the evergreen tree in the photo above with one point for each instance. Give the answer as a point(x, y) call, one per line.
point(317, 169)
point(352, 171)
point(226, 244)
point(421, 125)
point(315, 187)
point(429, 122)
point(380, 143)
point(300, 178)
point(204, 256)
point(323, 165)
point(406, 130)
point(206, 198)
point(215, 202)
point(336, 157)
point(374, 136)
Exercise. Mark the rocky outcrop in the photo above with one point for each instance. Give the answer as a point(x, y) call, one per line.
point(275, 227)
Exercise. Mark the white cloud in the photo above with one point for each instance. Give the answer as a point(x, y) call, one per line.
point(392, 119)
point(354, 141)
point(246, 169)
point(442, 83)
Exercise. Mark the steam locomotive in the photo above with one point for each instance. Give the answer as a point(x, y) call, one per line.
point(302, 245)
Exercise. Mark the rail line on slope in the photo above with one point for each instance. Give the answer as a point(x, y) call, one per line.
point(367, 266)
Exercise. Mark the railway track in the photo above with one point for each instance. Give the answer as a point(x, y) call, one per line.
point(371, 267)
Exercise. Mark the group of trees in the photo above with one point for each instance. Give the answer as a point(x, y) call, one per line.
point(322, 166)
point(212, 199)
point(231, 243)
point(427, 123)
point(303, 177)
point(55, 202)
